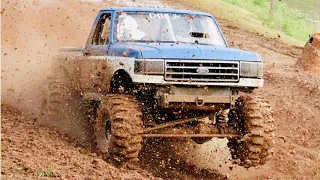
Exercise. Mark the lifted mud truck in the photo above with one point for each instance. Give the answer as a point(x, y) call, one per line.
point(159, 73)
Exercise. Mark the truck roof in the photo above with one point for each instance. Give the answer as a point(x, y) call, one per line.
point(160, 10)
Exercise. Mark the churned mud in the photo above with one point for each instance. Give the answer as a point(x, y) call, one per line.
point(28, 150)
point(32, 31)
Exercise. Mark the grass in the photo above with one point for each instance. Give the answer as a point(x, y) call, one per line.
point(282, 17)
point(254, 16)
point(46, 173)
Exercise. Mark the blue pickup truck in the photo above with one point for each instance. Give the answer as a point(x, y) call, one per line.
point(159, 73)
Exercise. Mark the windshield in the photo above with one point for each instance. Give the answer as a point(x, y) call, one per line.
point(167, 27)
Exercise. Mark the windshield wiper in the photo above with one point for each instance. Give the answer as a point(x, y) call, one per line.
point(148, 41)
point(196, 42)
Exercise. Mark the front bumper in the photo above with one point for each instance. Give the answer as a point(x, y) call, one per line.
point(159, 80)
point(194, 98)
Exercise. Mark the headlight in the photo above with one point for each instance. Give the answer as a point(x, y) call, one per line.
point(149, 66)
point(251, 69)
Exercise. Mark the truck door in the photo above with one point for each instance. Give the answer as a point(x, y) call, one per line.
point(99, 39)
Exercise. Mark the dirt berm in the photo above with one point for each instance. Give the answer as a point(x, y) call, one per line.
point(32, 31)
point(310, 60)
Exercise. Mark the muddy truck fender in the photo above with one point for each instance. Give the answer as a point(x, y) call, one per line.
point(92, 74)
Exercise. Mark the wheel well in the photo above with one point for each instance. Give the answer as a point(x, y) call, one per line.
point(121, 82)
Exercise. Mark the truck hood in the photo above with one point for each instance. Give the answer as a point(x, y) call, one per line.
point(180, 51)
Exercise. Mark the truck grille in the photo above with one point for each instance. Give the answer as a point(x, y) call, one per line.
point(201, 70)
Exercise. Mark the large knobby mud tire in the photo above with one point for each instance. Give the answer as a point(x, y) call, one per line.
point(256, 125)
point(57, 97)
point(123, 115)
point(62, 106)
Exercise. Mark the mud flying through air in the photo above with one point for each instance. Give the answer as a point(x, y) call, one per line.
point(280, 166)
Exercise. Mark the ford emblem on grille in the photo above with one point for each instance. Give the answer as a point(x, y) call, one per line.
point(202, 70)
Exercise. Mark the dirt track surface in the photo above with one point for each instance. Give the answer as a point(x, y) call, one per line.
point(27, 148)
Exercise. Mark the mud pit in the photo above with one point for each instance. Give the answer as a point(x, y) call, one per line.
point(32, 34)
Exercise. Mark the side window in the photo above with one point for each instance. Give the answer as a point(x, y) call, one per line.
point(101, 34)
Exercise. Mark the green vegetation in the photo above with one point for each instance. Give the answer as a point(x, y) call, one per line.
point(46, 173)
point(282, 18)
point(255, 16)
